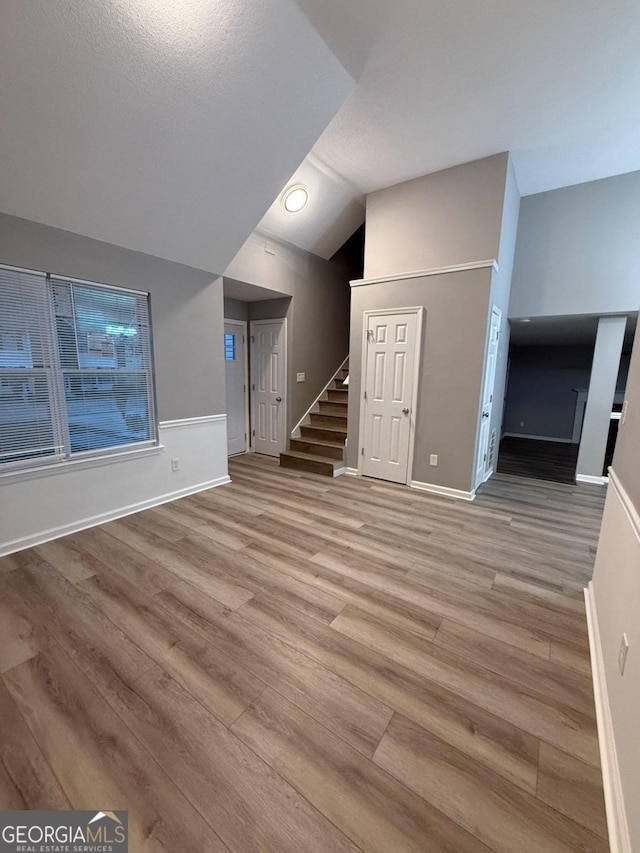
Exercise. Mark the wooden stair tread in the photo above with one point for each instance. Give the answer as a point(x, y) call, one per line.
point(322, 428)
point(319, 448)
point(297, 454)
point(324, 442)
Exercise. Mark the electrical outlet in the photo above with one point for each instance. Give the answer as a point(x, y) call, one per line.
point(433, 459)
point(175, 464)
point(622, 654)
point(521, 423)
point(300, 377)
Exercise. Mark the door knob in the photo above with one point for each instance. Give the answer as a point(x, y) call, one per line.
point(405, 411)
point(278, 399)
point(485, 414)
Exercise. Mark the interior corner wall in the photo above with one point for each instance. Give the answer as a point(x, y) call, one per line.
point(317, 317)
point(615, 592)
point(626, 461)
point(442, 219)
point(452, 362)
point(501, 293)
point(578, 250)
point(187, 321)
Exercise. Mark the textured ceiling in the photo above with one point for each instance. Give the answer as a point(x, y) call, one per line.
point(160, 126)
point(555, 82)
point(574, 330)
point(172, 128)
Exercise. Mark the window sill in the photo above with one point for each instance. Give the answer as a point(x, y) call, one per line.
point(11, 477)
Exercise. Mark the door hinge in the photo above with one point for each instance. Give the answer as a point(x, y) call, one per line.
point(485, 458)
point(244, 388)
point(362, 451)
point(253, 387)
point(243, 339)
point(253, 432)
point(365, 395)
point(491, 399)
point(253, 339)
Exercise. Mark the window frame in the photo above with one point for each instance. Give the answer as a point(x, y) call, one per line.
point(59, 413)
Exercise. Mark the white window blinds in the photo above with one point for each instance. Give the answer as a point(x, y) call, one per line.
point(76, 372)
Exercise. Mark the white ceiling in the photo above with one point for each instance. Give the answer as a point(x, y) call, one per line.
point(158, 125)
point(555, 82)
point(577, 329)
point(171, 128)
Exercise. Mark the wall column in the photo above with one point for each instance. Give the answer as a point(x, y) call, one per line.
point(602, 388)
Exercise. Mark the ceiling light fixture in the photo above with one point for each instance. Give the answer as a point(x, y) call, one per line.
point(525, 320)
point(295, 198)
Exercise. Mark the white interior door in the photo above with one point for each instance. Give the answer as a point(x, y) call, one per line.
point(235, 361)
point(391, 348)
point(268, 385)
point(482, 471)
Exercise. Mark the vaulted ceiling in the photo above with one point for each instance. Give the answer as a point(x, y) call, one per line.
point(172, 128)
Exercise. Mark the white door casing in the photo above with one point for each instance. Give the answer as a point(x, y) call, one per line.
point(488, 385)
point(236, 385)
point(268, 386)
point(390, 362)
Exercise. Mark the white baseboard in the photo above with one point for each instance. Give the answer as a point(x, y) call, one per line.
point(538, 437)
point(82, 524)
point(75, 497)
point(619, 839)
point(351, 472)
point(458, 494)
point(338, 472)
point(587, 478)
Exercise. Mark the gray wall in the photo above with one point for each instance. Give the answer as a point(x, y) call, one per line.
point(501, 290)
point(626, 461)
point(186, 307)
point(235, 310)
point(452, 360)
point(616, 594)
point(578, 250)
point(317, 315)
point(605, 371)
point(541, 394)
point(449, 217)
point(457, 216)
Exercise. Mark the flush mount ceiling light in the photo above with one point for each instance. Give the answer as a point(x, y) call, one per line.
point(295, 198)
point(525, 320)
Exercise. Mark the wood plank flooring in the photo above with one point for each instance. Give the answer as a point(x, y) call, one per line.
point(545, 460)
point(295, 663)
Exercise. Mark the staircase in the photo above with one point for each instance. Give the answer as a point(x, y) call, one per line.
point(320, 447)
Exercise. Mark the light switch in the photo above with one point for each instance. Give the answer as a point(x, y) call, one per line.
point(300, 377)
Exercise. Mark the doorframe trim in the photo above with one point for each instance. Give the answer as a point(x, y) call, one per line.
point(477, 482)
point(420, 312)
point(245, 334)
point(253, 323)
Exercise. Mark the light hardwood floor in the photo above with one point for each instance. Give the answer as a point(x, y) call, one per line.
point(296, 664)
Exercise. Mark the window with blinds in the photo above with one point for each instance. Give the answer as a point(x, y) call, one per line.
point(76, 372)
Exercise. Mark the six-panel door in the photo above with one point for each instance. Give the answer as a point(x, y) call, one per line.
point(268, 387)
point(390, 366)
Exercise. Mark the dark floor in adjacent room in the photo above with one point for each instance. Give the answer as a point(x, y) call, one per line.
point(541, 460)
